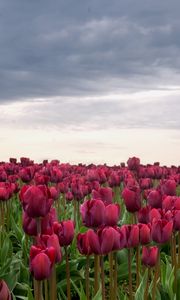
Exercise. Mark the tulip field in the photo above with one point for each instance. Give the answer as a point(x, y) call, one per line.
point(89, 231)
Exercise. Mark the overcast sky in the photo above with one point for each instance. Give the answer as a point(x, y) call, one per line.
point(90, 80)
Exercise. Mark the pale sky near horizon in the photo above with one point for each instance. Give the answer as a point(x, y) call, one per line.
point(90, 81)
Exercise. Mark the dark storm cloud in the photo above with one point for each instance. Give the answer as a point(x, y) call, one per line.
point(82, 48)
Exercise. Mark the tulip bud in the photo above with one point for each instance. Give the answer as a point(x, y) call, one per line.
point(36, 200)
point(132, 199)
point(168, 187)
point(105, 194)
point(143, 215)
point(104, 241)
point(83, 244)
point(4, 291)
point(161, 230)
point(133, 163)
point(64, 231)
point(93, 213)
point(144, 233)
point(132, 235)
point(41, 262)
point(112, 214)
point(149, 256)
point(176, 220)
point(155, 199)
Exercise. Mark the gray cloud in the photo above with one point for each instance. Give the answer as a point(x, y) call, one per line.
point(80, 48)
point(162, 113)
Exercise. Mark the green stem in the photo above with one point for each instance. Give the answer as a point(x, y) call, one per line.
point(87, 278)
point(147, 286)
point(38, 290)
point(130, 274)
point(115, 276)
point(111, 277)
point(156, 275)
point(52, 283)
point(96, 273)
point(38, 222)
point(46, 289)
point(58, 208)
point(75, 208)
point(68, 275)
point(172, 252)
point(102, 278)
point(175, 262)
point(137, 266)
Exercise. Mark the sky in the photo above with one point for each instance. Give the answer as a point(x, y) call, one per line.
point(90, 80)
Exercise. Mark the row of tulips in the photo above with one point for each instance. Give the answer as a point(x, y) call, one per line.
point(97, 198)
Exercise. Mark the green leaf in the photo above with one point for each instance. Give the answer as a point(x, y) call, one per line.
point(98, 295)
point(139, 295)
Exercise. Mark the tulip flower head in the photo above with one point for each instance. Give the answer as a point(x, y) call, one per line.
point(93, 213)
point(4, 291)
point(64, 231)
point(41, 262)
point(149, 256)
point(36, 200)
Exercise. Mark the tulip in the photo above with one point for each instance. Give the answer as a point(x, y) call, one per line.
point(112, 214)
point(145, 183)
point(4, 291)
point(144, 234)
point(149, 256)
point(168, 187)
point(49, 241)
point(83, 244)
point(133, 163)
point(41, 262)
point(3, 174)
point(171, 202)
point(5, 191)
point(143, 215)
point(114, 179)
point(176, 220)
point(64, 231)
point(41, 179)
point(104, 241)
point(54, 192)
point(26, 174)
point(155, 199)
point(161, 230)
point(155, 214)
point(93, 213)
point(55, 175)
point(105, 194)
point(69, 196)
point(131, 232)
point(36, 200)
point(132, 199)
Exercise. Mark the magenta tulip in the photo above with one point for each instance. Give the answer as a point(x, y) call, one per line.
point(144, 233)
point(149, 256)
point(112, 214)
point(93, 213)
point(161, 230)
point(64, 231)
point(4, 291)
point(155, 199)
point(132, 199)
point(36, 200)
point(83, 243)
point(105, 194)
point(131, 233)
point(41, 262)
